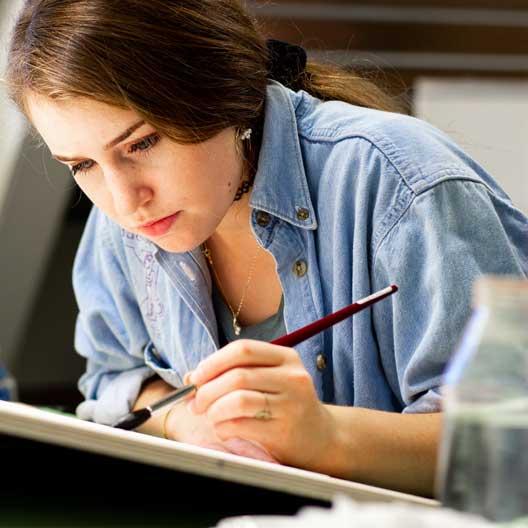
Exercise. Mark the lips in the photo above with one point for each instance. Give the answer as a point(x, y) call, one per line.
point(158, 227)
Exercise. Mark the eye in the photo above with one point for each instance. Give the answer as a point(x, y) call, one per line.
point(144, 144)
point(141, 147)
point(82, 167)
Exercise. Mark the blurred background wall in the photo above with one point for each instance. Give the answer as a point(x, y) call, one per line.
point(460, 64)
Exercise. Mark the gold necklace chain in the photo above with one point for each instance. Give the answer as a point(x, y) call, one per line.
point(207, 254)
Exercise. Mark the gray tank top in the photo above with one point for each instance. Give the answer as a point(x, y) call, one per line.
point(267, 330)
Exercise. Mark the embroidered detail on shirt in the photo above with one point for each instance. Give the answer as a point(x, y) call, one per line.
point(151, 306)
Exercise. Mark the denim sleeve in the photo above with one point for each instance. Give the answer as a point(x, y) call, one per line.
point(450, 234)
point(109, 331)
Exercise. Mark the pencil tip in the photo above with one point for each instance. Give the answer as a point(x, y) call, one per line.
point(133, 419)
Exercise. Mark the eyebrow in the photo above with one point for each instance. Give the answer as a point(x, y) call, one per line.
point(119, 139)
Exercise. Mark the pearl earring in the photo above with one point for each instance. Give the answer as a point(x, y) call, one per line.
point(246, 134)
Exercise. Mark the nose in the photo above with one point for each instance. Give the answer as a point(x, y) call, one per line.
point(129, 190)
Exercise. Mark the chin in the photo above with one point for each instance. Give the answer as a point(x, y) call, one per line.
point(174, 244)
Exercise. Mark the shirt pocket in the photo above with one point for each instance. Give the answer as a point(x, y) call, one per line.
point(155, 361)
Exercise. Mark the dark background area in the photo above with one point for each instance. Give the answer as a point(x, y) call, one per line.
point(45, 485)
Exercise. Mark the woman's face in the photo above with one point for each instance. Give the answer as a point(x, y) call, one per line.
point(175, 195)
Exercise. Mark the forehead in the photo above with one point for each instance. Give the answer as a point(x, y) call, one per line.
point(68, 125)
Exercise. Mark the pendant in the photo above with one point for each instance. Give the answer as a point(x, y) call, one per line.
point(236, 327)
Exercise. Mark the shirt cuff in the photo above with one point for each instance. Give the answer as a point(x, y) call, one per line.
point(117, 399)
point(430, 402)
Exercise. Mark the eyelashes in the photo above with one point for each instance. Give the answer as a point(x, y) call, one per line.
point(144, 144)
point(141, 147)
point(81, 168)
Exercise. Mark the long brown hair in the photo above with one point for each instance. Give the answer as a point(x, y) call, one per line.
point(188, 67)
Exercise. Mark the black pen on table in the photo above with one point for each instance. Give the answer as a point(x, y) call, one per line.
point(137, 418)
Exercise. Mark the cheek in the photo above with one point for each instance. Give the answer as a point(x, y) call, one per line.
point(95, 190)
point(222, 161)
point(84, 184)
point(212, 180)
point(225, 173)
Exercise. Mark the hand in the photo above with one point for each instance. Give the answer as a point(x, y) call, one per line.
point(247, 379)
point(185, 426)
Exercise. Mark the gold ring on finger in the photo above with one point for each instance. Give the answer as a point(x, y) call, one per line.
point(264, 414)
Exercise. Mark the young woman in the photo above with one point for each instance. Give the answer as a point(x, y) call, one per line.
point(240, 194)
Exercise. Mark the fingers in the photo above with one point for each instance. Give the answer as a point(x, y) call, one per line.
point(241, 353)
point(244, 404)
point(248, 429)
point(269, 380)
point(246, 448)
point(215, 447)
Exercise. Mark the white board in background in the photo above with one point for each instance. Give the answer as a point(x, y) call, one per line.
point(488, 118)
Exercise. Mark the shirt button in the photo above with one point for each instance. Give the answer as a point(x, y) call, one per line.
point(303, 214)
point(300, 268)
point(321, 362)
point(263, 218)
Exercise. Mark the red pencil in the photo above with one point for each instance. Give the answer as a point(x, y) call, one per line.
point(136, 418)
point(304, 333)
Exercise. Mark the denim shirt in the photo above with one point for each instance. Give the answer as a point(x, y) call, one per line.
point(347, 200)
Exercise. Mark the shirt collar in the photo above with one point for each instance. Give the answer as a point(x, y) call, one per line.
point(280, 186)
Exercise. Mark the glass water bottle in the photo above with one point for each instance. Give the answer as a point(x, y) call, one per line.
point(483, 462)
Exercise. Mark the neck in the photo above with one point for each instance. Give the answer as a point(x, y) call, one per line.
point(234, 234)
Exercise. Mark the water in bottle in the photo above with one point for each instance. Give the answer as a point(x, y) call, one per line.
point(483, 462)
